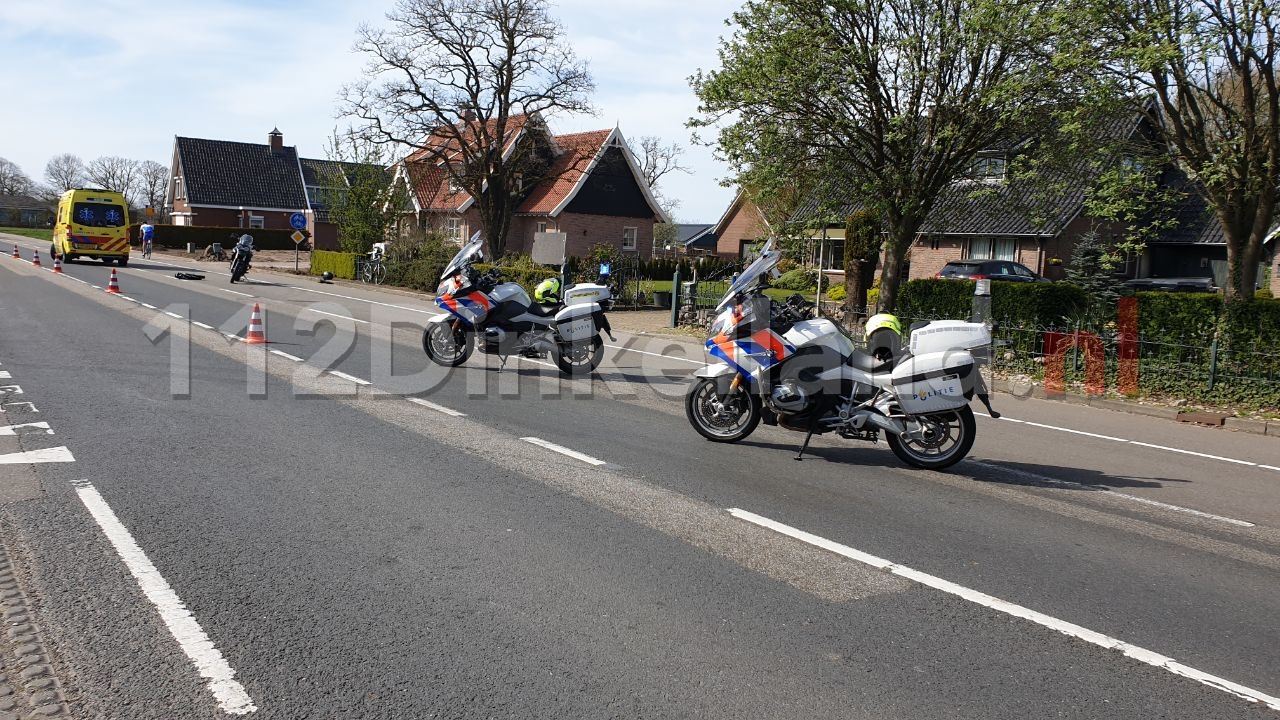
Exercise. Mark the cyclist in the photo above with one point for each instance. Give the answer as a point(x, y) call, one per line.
point(146, 234)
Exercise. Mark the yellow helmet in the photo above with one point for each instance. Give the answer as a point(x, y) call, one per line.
point(882, 320)
point(547, 292)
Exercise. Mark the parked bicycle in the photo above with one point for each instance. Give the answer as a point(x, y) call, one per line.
point(375, 268)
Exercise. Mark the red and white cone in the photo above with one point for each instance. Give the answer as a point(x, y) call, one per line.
point(57, 264)
point(35, 259)
point(15, 252)
point(257, 330)
point(113, 286)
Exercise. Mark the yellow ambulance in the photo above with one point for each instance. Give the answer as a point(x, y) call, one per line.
point(92, 223)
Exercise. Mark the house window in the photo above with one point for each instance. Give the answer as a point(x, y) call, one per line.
point(518, 182)
point(453, 228)
point(317, 195)
point(179, 192)
point(992, 248)
point(257, 221)
point(455, 187)
point(542, 226)
point(629, 238)
point(989, 169)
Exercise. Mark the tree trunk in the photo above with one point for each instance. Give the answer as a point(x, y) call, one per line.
point(891, 275)
point(859, 276)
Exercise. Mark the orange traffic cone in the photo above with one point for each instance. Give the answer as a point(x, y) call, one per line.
point(57, 264)
point(114, 285)
point(257, 330)
point(35, 259)
point(15, 252)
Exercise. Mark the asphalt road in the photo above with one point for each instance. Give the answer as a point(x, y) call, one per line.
point(345, 552)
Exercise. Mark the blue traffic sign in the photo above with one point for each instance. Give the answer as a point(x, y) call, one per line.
point(298, 221)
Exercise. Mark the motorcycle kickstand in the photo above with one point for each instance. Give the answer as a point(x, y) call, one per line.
point(987, 403)
point(502, 362)
point(813, 423)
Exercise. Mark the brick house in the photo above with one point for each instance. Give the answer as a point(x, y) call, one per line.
point(588, 186)
point(25, 211)
point(221, 183)
point(742, 226)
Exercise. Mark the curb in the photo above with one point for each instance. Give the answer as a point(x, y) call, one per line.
point(28, 685)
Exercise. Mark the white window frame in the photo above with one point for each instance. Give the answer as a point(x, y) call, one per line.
point(179, 192)
point(984, 168)
point(453, 228)
point(542, 226)
point(257, 222)
point(631, 234)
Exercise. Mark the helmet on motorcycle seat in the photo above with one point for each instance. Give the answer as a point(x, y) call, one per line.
point(884, 336)
point(547, 292)
point(882, 320)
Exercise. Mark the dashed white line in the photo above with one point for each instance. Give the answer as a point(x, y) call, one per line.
point(352, 378)
point(13, 429)
point(1067, 628)
point(44, 455)
point(202, 325)
point(229, 693)
point(284, 354)
point(4, 375)
point(344, 317)
point(564, 451)
point(437, 408)
point(149, 307)
point(174, 315)
point(234, 292)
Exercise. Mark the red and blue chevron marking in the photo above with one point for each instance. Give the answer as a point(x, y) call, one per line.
point(470, 309)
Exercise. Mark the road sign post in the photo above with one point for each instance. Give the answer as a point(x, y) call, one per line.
point(297, 237)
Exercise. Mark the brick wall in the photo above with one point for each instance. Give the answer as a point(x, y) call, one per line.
point(1275, 271)
point(744, 224)
point(928, 260)
point(220, 217)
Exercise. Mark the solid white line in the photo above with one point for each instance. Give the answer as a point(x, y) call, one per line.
point(13, 429)
point(1179, 508)
point(203, 325)
point(344, 317)
point(45, 455)
point(230, 694)
point(233, 292)
point(352, 378)
point(1196, 454)
point(1270, 467)
point(994, 603)
point(363, 300)
point(564, 451)
point(437, 408)
point(646, 352)
point(283, 354)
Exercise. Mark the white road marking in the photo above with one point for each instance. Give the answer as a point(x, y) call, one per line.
point(44, 455)
point(1071, 629)
point(206, 326)
point(352, 378)
point(646, 352)
point(234, 292)
point(126, 297)
point(229, 693)
point(344, 317)
point(1036, 477)
point(283, 354)
point(437, 408)
point(4, 375)
point(564, 451)
point(30, 407)
point(174, 315)
point(149, 307)
point(13, 429)
point(1112, 438)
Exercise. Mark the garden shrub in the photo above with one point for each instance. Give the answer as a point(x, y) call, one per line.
point(342, 265)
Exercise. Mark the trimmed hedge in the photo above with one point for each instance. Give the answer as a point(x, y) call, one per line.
point(342, 265)
point(177, 236)
point(1021, 304)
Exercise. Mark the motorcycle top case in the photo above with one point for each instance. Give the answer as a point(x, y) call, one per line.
point(933, 382)
point(575, 323)
point(943, 335)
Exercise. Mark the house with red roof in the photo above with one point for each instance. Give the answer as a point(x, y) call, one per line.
point(587, 186)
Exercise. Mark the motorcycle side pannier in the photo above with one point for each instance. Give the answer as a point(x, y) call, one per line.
point(933, 382)
point(575, 323)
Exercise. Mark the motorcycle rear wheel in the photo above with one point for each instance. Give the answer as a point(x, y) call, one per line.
point(725, 421)
point(935, 441)
point(446, 346)
point(574, 360)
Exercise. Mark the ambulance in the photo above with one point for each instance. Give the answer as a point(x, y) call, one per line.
point(94, 224)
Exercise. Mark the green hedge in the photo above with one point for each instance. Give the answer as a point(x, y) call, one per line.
point(177, 236)
point(342, 265)
point(1021, 304)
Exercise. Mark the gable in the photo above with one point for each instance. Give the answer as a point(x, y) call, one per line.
point(232, 174)
point(611, 189)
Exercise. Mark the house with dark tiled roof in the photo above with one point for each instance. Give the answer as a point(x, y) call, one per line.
point(25, 211)
point(221, 183)
point(696, 239)
point(587, 186)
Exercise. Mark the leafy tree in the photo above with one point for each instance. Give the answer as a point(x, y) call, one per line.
point(448, 77)
point(12, 180)
point(64, 172)
point(1204, 74)
point(895, 97)
point(361, 199)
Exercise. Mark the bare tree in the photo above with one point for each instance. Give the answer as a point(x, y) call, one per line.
point(112, 172)
point(64, 172)
point(456, 80)
point(153, 181)
point(656, 161)
point(12, 180)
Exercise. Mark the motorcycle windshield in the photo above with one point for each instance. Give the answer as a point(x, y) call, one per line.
point(747, 279)
point(469, 252)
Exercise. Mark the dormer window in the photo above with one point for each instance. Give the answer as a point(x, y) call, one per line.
point(1130, 166)
point(455, 187)
point(989, 169)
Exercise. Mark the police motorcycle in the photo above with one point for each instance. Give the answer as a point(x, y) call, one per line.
point(240, 256)
point(786, 368)
point(501, 320)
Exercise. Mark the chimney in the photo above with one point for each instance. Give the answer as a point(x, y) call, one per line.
point(275, 141)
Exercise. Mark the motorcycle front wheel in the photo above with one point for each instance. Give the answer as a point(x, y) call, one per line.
point(580, 359)
point(446, 346)
point(935, 441)
point(727, 420)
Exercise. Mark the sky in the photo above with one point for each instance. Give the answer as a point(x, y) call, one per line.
point(124, 77)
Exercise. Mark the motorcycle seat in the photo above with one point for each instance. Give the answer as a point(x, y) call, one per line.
point(866, 362)
point(543, 311)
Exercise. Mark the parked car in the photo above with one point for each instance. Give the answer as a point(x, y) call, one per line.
point(1173, 284)
point(990, 269)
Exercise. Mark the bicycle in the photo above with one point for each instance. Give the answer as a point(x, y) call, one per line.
point(374, 271)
